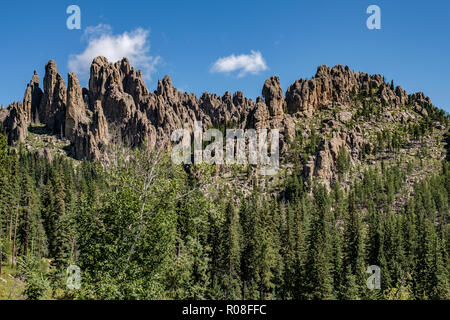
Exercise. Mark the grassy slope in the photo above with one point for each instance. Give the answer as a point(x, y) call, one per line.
point(11, 289)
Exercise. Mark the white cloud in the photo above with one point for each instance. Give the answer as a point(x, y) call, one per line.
point(102, 42)
point(97, 31)
point(247, 63)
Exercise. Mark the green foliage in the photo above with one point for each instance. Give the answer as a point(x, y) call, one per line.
point(143, 228)
point(342, 161)
point(36, 281)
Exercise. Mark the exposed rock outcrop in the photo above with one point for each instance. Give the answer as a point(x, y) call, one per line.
point(75, 107)
point(43, 153)
point(18, 116)
point(16, 123)
point(339, 85)
point(117, 106)
point(52, 109)
point(3, 114)
point(136, 115)
point(32, 99)
point(273, 96)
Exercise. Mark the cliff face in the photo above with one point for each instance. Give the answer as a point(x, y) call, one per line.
point(117, 106)
point(338, 85)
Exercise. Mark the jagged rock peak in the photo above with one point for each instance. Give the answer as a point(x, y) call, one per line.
point(339, 85)
point(32, 99)
point(53, 104)
point(119, 76)
point(16, 123)
point(76, 109)
point(165, 87)
point(35, 79)
point(100, 60)
point(118, 105)
point(273, 96)
point(51, 76)
point(103, 75)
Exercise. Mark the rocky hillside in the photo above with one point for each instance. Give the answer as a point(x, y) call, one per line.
point(318, 118)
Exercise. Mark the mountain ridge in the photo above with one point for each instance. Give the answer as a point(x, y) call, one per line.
point(117, 106)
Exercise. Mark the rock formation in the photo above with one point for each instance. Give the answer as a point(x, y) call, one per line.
point(16, 122)
point(53, 104)
point(75, 107)
point(339, 85)
point(117, 106)
point(32, 99)
point(273, 96)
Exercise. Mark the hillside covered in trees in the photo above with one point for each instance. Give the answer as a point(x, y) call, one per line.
point(86, 180)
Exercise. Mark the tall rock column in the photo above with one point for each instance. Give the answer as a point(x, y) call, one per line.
point(75, 107)
point(53, 105)
point(273, 96)
point(16, 124)
point(32, 99)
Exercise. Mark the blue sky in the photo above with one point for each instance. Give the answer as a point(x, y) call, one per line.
point(184, 39)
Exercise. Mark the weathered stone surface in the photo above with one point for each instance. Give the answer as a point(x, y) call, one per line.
point(273, 96)
point(3, 114)
point(117, 107)
point(329, 85)
point(338, 85)
point(402, 96)
point(261, 115)
point(52, 109)
point(345, 116)
point(43, 153)
point(75, 107)
point(32, 99)
point(18, 116)
point(16, 123)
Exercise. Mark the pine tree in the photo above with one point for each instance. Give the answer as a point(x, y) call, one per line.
point(351, 290)
point(393, 247)
point(294, 250)
point(231, 253)
point(409, 232)
point(59, 235)
point(319, 268)
point(3, 185)
point(431, 282)
point(375, 243)
point(248, 215)
point(353, 253)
